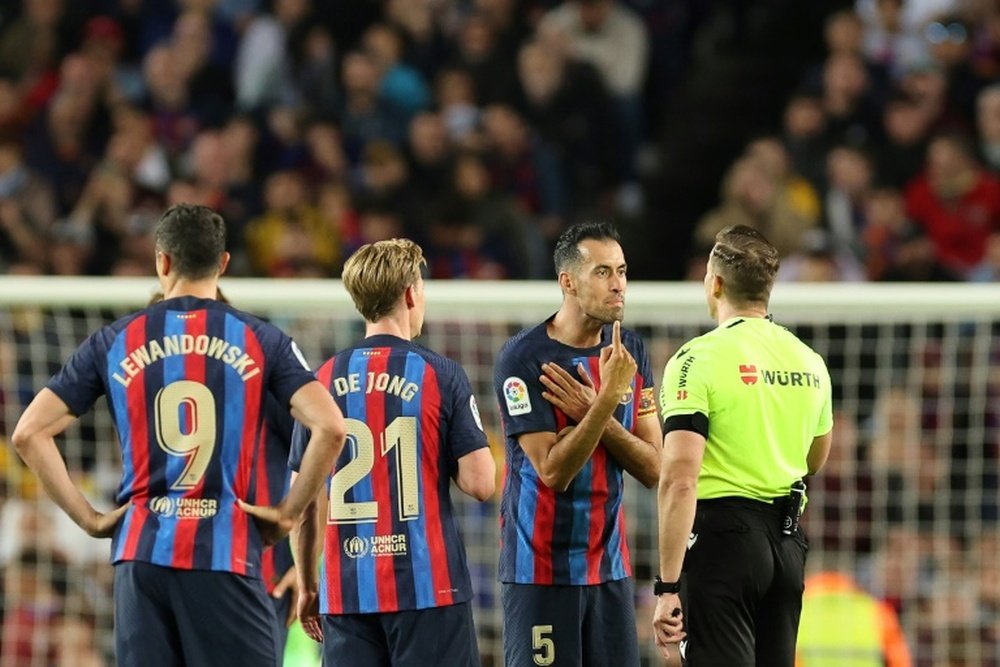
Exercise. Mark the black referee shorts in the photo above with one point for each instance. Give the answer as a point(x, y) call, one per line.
point(743, 584)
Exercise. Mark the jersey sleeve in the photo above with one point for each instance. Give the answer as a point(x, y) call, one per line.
point(825, 424)
point(289, 370)
point(519, 393)
point(297, 446)
point(684, 392)
point(647, 400)
point(79, 383)
point(465, 433)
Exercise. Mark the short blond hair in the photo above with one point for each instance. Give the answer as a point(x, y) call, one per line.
point(377, 274)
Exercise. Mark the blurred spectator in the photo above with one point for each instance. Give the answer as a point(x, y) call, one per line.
point(892, 36)
point(209, 84)
point(842, 624)
point(849, 178)
point(458, 247)
point(804, 127)
point(848, 104)
point(886, 229)
point(949, 40)
point(168, 101)
point(906, 125)
point(291, 238)
point(610, 37)
point(799, 195)
point(27, 208)
point(34, 594)
point(508, 234)
point(31, 45)
point(262, 68)
point(455, 95)
point(521, 166)
point(819, 260)
point(314, 68)
point(364, 115)
point(956, 202)
point(750, 197)
point(988, 124)
point(571, 111)
point(487, 60)
point(430, 153)
point(400, 85)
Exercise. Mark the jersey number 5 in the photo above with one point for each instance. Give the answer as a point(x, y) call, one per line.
point(399, 436)
point(185, 426)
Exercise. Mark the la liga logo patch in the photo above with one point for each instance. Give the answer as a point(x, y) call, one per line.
point(515, 394)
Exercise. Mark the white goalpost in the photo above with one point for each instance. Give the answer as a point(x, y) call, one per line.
point(908, 504)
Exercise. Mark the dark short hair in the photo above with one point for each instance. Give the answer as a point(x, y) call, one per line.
point(747, 262)
point(194, 237)
point(567, 252)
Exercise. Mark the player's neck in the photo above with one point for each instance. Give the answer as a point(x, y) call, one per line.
point(390, 326)
point(200, 289)
point(575, 329)
point(727, 311)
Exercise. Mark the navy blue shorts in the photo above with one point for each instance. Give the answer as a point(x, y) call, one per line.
point(281, 606)
point(569, 626)
point(438, 637)
point(171, 618)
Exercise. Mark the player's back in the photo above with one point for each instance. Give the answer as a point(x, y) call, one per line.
point(391, 540)
point(185, 381)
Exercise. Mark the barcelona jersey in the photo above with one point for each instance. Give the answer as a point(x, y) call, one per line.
point(391, 541)
point(576, 536)
point(186, 381)
point(273, 479)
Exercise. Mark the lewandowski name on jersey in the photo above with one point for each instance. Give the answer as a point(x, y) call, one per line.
point(208, 346)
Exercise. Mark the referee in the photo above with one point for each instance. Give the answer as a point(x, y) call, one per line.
point(747, 414)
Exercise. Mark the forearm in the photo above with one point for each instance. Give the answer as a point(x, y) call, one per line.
point(676, 504)
point(40, 454)
point(317, 463)
point(306, 546)
point(572, 451)
point(638, 457)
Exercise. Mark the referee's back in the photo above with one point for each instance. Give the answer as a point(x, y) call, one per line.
point(766, 395)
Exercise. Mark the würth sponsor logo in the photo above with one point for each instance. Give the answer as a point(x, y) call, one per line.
point(682, 394)
point(682, 380)
point(750, 375)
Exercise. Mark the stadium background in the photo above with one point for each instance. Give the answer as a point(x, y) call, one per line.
point(863, 137)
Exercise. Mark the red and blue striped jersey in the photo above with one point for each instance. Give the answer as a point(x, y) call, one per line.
point(391, 541)
point(576, 536)
point(186, 381)
point(273, 479)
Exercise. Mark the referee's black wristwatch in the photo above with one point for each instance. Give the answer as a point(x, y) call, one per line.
point(660, 587)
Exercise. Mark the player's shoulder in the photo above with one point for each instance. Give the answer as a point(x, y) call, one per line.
point(436, 360)
point(631, 338)
point(697, 344)
point(525, 343)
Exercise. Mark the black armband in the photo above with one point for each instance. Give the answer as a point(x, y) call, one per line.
point(696, 421)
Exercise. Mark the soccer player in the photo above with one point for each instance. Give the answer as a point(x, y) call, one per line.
point(186, 381)
point(394, 587)
point(747, 413)
point(577, 416)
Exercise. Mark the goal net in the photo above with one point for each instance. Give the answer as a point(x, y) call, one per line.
point(908, 504)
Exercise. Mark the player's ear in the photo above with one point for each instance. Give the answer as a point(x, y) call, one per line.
point(566, 283)
point(162, 263)
point(717, 284)
point(224, 262)
point(409, 296)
